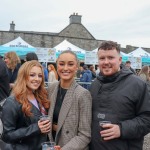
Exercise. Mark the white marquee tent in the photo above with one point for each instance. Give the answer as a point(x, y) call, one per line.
point(139, 52)
point(65, 45)
point(18, 42)
point(18, 45)
point(123, 54)
point(95, 50)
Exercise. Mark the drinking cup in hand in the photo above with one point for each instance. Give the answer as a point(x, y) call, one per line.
point(48, 146)
point(101, 123)
point(44, 117)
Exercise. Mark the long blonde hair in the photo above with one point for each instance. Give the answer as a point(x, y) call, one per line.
point(14, 59)
point(145, 71)
point(20, 90)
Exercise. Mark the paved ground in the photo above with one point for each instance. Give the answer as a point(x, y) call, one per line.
point(146, 145)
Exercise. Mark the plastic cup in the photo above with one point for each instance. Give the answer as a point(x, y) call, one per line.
point(44, 117)
point(101, 123)
point(48, 146)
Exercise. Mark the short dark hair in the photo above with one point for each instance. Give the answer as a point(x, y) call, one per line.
point(109, 45)
point(128, 62)
point(1, 56)
point(85, 67)
point(31, 56)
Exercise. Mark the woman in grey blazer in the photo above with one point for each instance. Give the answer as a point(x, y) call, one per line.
point(70, 109)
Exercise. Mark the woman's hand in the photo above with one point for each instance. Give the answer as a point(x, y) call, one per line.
point(57, 147)
point(44, 126)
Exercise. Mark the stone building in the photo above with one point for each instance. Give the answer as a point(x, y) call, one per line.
point(75, 33)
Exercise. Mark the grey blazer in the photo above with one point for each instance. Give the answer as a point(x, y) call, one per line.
point(74, 121)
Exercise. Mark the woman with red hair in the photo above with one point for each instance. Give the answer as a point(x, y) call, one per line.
point(20, 115)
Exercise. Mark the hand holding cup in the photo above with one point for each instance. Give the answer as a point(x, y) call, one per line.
point(102, 127)
point(44, 124)
point(109, 131)
point(101, 123)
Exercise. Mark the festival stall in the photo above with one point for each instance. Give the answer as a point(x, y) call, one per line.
point(18, 45)
point(65, 45)
point(46, 54)
point(141, 54)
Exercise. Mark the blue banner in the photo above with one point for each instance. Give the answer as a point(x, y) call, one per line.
point(21, 51)
point(145, 60)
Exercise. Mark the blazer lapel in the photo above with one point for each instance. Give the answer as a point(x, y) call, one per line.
point(66, 105)
point(52, 98)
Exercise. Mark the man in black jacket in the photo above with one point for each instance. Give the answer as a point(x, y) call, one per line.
point(121, 98)
point(128, 65)
point(4, 89)
point(4, 81)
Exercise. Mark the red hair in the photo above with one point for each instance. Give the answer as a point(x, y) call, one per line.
point(20, 90)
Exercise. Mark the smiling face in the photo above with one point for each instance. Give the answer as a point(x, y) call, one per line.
point(109, 61)
point(35, 78)
point(67, 67)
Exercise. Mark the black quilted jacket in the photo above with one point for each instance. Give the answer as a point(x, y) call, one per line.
point(20, 131)
point(122, 99)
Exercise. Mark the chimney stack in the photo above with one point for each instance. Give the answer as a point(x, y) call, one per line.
point(12, 26)
point(75, 18)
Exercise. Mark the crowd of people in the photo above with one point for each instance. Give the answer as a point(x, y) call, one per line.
point(111, 113)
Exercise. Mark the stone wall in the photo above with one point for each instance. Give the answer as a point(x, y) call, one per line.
point(47, 40)
point(75, 33)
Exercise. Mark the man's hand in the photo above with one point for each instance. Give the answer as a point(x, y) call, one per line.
point(111, 131)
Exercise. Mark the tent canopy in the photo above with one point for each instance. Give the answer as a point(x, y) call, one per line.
point(65, 45)
point(123, 54)
point(18, 42)
point(139, 52)
point(95, 50)
point(18, 45)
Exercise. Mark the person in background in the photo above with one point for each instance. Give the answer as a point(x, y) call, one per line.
point(122, 98)
point(45, 72)
point(70, 109)
point(144, 74)
point(13, 64)
point(79, 71)
point(128, 65)
point(97, 71)
point(21, 111)
point(31, 56)
point(137, 71)
point(93, 72)
point(86, 77)
point(4, 80)
point(52, 75)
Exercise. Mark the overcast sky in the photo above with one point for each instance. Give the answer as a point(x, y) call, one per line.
point(124, 21)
